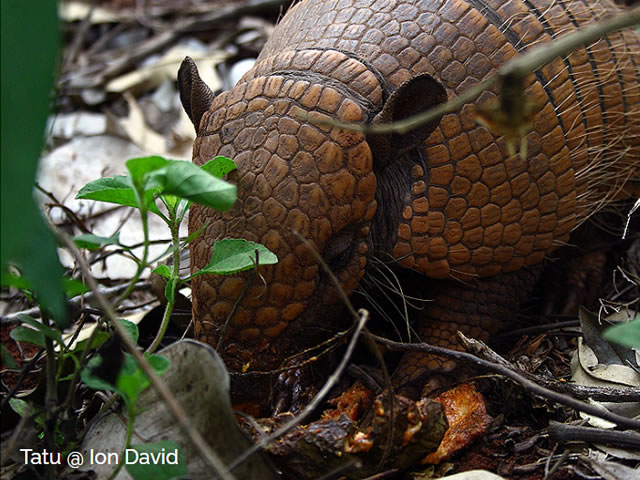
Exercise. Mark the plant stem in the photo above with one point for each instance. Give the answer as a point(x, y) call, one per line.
point(163, 327)
point(51, 396)
point(174, 225)
point(145, 253)
point(127, 444)
point(73, 385)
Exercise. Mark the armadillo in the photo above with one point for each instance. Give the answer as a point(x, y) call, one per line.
point(446, 200)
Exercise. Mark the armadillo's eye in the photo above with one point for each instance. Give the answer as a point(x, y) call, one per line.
point(339, 249)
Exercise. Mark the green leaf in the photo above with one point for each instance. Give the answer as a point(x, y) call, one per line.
point(94, 242)
point(25, 409)
point(171, 200)
point(26, 97)
point(183, 179)
point(20, 406)
point(164, 271)
point(173, 178)
point(219, 166)
point(159, 363)
point(234, 255)
point(171, 461)
point(156, 175)
point(132, 329)
point(7, 359)
point(140, 168)
point(91, 380)
point(28, 335)
point(73, 287)
point(98, 340)
point(19, 282)
point(116, 189)
point(132, 380)
point(46, 330)
point(170, 289)
point(41, 267)
point(625, 334)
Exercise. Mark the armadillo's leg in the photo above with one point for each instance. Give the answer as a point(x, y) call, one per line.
point(478, 310)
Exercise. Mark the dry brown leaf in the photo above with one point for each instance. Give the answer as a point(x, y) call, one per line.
point(466, 413)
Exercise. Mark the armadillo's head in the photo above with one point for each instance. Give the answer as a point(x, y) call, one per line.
point(295, 178)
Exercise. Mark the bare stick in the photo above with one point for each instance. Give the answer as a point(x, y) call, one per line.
point(583, 392)
point(566, 433)
point(88, 297)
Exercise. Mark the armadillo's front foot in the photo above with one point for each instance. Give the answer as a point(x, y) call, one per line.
point(477, 309)
point(420, 374)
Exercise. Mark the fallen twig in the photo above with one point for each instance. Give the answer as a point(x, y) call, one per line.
point(603, 394)
point(76, 301)
point(524, 382)
point(563, 433)
point(98, 74)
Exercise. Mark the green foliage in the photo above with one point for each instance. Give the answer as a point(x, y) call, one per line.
point(235, 255)
point(97, 340)
point(28, 335)
point(16, 281)
point(163, 270)
point(173, 181)
point(94, 242)
point(219, 166)
point(132, 328)
point(29, 53)
point(131, 380)
point(24, 409)
point(71, 286)
point(152, 176)
point(185, 180)
point(625, 334)
point(36, 334)
point(116, 189)
point(7, 359)
point(166, 188)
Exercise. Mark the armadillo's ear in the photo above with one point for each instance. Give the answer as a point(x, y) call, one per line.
point(195, 95)
point(414, 96)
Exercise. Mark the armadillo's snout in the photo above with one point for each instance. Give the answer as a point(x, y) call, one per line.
point(297, 179)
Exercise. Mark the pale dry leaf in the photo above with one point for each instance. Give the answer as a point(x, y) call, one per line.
point(78, 11)
point(200, 383)
point(151, 76)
